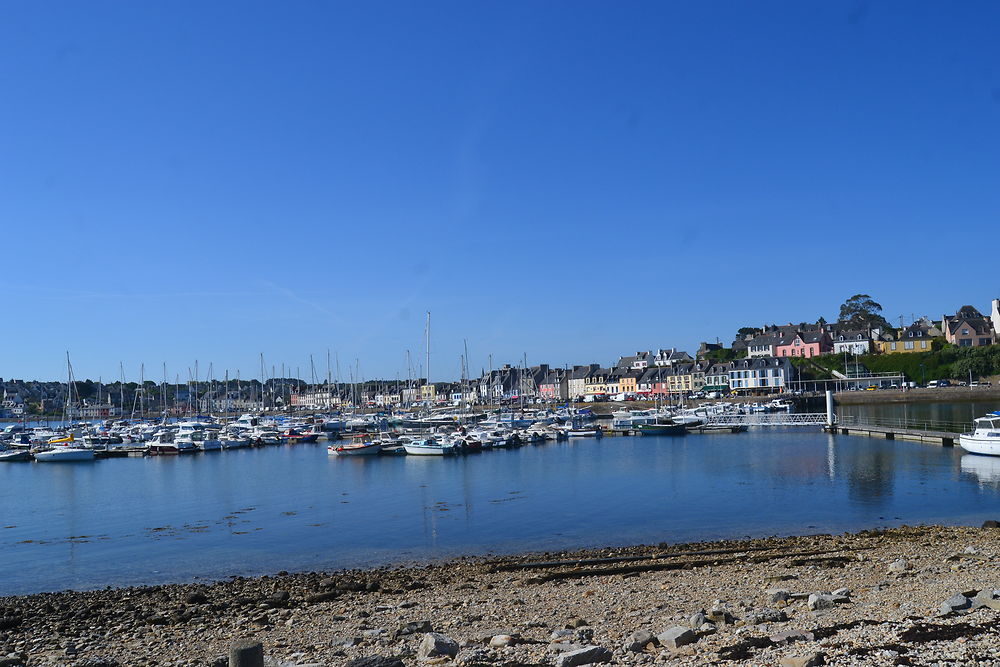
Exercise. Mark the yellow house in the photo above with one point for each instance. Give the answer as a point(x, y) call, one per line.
point(428, 392)
point(905, 345)
point(687, 378)
point(628, 383)
point(597, 382)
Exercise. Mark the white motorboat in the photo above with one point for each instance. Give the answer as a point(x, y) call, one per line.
point(985, 437)
point(428, 447)
point(64, 453)
point(585, 432)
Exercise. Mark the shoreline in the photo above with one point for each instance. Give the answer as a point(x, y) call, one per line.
point(730, 602)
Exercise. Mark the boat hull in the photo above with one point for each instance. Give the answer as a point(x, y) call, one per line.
point(980, 445)
point(424, 450)
point(67, 455)
point(357, 450)
point(661, 429)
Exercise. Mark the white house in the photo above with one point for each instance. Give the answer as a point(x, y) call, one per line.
point(852, 342)
point(769, 374)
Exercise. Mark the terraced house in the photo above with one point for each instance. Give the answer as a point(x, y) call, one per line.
point(760, 375)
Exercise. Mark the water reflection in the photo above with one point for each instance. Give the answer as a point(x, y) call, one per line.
point(986, 469)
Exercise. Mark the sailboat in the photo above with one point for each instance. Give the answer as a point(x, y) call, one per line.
point(62, 449)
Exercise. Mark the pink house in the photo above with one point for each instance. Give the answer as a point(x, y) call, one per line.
point(804, 344)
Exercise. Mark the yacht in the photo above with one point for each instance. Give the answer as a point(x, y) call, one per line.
point(985, 438)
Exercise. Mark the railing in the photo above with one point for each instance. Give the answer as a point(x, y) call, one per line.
point(774, 419)
point(906, 424)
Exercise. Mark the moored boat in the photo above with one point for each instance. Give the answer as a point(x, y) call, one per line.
point(64, 453)
point(985, 437)
point(428, 447)
point(359, 447)
point(13, 455)
point(660, 429)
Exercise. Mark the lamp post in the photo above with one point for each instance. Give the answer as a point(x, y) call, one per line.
point(922, 375)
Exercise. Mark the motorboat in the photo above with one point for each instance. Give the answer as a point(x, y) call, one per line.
point(985, 437)
point(13, 455)
point(358, 447)
point(65, 453)
point(428, 447)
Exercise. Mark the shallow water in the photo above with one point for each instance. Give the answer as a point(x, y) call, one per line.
point(207, 516)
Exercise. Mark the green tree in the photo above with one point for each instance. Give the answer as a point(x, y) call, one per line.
point(743, 332)
point(862, 311)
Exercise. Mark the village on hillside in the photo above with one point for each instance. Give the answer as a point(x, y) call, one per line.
point(771, 359)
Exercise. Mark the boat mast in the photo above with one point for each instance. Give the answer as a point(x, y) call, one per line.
point(427, 335)
point(121, 386)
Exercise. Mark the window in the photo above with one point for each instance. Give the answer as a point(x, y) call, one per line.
point(908, 345)
point(923, 345)
point(965, 332)
point(892, 346)
point(911, 334)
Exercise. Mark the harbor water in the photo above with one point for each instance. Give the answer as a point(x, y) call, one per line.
point(120, 522)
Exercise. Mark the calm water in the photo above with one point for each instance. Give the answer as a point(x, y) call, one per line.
point(132, 521)
point(956, 412)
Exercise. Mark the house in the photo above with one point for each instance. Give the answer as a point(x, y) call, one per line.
point(760, 374)
point(764, 345)
point(670, 356)
point(638, 362)
point(577, 383)
point(968, 328)
point(918, 337)
point(717, 378)
point(653, 382)
point(612, 385)
point(852, 341)
point(596, 383)
point(628, 382)
point(555, 385)
point(804, 344)
point(685, 379)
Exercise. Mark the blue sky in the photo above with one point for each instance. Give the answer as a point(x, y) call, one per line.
point(570, 181)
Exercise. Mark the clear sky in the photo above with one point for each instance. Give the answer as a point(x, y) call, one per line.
point(572, 181)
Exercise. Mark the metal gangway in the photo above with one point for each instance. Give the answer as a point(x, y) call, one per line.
point(771, 419)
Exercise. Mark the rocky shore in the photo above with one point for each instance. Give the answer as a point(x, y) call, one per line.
point(906, 596)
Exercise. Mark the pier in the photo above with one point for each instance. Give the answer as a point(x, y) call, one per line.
point(936, 432)
point(940, 433)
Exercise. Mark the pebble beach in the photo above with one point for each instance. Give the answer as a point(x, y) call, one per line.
point(904, 596)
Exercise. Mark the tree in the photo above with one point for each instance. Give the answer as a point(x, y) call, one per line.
point(862, 311)
point(748, 331)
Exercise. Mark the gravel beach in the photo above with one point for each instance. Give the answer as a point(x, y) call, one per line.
point(905, 596)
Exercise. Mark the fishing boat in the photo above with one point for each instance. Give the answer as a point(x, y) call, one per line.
point(364, 446)
point(985, 437)
point(584, 431)
point(292, 436)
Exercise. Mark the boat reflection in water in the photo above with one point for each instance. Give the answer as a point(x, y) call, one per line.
point(984, 468)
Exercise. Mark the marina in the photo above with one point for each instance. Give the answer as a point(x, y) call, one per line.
point(254, 510)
